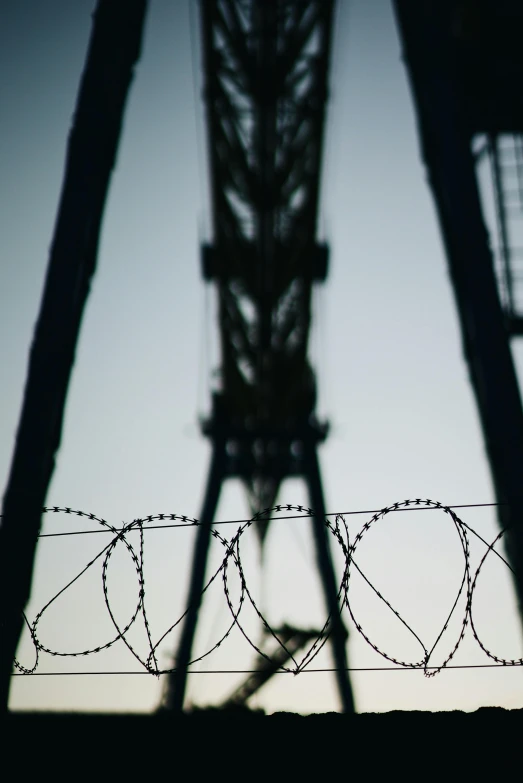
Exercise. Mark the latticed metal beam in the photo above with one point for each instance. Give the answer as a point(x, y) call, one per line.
point(265, 66)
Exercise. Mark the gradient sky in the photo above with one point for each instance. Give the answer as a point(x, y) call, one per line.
point(386, 344)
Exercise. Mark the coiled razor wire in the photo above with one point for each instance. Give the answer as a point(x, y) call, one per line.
point(337, 529)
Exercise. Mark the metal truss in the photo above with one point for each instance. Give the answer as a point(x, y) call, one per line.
point(265, 66)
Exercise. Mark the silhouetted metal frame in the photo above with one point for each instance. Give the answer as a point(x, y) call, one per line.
point(445, 139)
point(265, 96)
point(219, 471)
point(265, 70)
point(292, 639)
point(114, 49)
point(224, 466)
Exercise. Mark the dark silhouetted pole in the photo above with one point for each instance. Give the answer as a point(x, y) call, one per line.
point(113, 50)
point(338, 631)
point(178, 679)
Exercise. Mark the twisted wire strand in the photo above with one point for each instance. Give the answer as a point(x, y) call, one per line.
point(337, 528)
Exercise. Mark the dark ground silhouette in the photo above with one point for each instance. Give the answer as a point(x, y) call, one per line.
point(248, 744)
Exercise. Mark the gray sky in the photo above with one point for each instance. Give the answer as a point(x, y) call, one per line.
point(392, 378)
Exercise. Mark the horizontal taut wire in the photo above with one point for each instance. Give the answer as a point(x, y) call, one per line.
point(280, 671)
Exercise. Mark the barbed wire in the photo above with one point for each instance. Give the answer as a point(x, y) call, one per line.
point(337, 528)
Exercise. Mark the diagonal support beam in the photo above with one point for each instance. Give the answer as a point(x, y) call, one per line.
point(339, 633)
point(177, 683)
point(114, 49)
point(445, 135)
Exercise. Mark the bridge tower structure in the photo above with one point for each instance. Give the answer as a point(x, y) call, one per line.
point(465, 62)
point(265, 67)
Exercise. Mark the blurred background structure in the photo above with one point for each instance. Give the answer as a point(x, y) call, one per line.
point(265, 151)
point(265, 71)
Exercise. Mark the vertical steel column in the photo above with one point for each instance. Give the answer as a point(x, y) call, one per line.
point(178, 678)
point(325, 566)
point(445, 140)
point(114, 49)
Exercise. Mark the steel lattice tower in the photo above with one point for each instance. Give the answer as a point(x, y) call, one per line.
point(265, 68)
